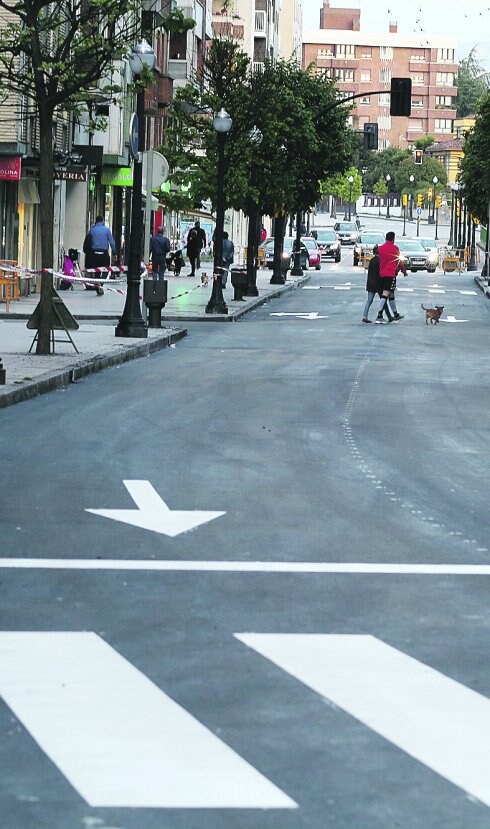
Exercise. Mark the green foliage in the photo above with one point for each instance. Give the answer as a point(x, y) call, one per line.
point(176, 23)
point(474, 167)
point(381, 164)
point(380, 187)
point(422, 173)
point(303, 129)
point(473, 82)
point(423, 143)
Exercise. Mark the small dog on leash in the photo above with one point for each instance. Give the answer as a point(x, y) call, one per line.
point(204, 279)
point(432, 314)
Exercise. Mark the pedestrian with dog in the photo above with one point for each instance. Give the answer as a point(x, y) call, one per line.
point(390, 263)
point(374, 286)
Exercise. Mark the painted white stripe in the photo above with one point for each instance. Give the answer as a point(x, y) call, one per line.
point(116, 736)
point(405, 290)
point(436, 291)
point(383, 568)
point(468, 293)
point(434, 719)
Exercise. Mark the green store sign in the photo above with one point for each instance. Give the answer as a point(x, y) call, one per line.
point(117, 176)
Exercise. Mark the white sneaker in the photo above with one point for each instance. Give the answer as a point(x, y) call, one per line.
point(380, 321)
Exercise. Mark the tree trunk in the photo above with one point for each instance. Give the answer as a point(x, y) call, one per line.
point(46, 209)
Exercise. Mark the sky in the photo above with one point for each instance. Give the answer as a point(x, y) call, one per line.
point(467, 21)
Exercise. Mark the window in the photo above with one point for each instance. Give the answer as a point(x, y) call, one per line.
point(443, 101)
point(417, 57)
point(444, 78)
point(385, 75)
point(344, 75)
point(418, 80)
point(443, 125)
point(384, 122)
point(366, 52)
point(365, 100)
point(415, 125)
point(417, 103)
point(384, 100)
point(325, 53)
point(445, 55)
point(345, 50)
point(386, 52)
point(365, 76)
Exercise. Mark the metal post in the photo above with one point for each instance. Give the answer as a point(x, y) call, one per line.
point(451, 228)
point(404, 218)
point(132, 324)
point(350, 200)
point(437, 223)
point(217, 304)
point(472, 262)
point(3, 374)
point(297, 270)
point(418, 225)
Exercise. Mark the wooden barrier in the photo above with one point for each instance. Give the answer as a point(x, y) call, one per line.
point(9, 283)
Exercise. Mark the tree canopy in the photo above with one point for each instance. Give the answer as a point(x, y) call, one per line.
point(473, 82)
point(474, 167)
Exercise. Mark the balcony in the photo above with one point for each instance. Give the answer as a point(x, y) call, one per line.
point(260, 24)
point(177, 68)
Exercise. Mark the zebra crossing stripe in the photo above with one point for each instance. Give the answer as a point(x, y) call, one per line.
point(436, 720)
point(118, 738)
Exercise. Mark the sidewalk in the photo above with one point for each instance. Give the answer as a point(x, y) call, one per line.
point(28, 375)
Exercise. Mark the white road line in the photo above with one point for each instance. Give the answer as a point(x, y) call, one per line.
point(119, 739)
point(405, 290)
point(440, 722)
point(436, 291)
point(468, 293)
point(369, 568)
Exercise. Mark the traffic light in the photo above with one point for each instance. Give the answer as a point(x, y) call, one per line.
point(429, 193)
point(418, 156)
point(401, 96)
point(370, 136)
point(438, 201)
point(420, 200)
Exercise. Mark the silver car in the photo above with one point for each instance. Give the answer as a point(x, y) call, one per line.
point(348, 232)
point(413, 254)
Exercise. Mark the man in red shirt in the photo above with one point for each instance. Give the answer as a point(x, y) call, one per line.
point(390, 263)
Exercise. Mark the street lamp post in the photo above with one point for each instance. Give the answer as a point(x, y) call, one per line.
point(431, 219)
point(472, 241)
point(132, 324)
point(351, 182)
point(412, 179)
point(222, 123)
point(388, 179)
point(454, 199)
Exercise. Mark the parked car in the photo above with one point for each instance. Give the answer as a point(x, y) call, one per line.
point(328, 243)
point(348, 232)
point(287, 253)
point(314, 256)
point(365, 244)
point(432, 250)
point(414, 255)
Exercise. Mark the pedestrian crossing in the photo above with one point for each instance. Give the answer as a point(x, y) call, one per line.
point(122, 742)
point(431, 289)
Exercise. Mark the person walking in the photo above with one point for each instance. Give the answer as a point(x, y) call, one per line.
point(96, 249)
point(374, 286)
point(192, 245)
point(159, 247)
point(390, 263)
point(228, 257)
point(202, 241)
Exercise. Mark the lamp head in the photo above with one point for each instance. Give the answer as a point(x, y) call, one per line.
point(222, 121)
point(435, 179)
point(350, 179)
point(141, 55)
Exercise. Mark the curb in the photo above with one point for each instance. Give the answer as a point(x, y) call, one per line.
point(62, 378)
point(482, 282)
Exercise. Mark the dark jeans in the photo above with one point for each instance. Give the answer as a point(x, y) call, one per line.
point(158, 268)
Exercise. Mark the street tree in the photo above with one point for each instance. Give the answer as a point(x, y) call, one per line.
point(473, 83)
point(474, 168)
point(52, 55)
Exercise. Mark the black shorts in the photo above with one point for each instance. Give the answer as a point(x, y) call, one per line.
point(388, 283)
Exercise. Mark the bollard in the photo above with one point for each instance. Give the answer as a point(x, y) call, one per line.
point(155, 297)
point(3, 374)
point(240, 283)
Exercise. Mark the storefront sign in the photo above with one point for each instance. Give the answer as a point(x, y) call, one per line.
point(117, 176)
point(70, 175)
point(10, 167)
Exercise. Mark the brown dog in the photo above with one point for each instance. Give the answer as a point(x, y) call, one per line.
point(432, 314)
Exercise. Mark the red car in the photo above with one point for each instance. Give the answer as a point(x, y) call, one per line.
point(314, 254)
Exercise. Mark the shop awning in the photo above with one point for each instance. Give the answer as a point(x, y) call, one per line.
point(28, 192)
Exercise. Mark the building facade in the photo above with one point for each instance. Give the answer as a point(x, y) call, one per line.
point(364, 64)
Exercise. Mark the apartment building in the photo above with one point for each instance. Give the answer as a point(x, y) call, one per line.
point(254, 24)
point(364, 64)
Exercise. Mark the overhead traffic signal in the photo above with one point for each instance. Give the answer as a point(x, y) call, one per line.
point(418, 156)
point(401, 96)
point(420, 200)
point(370, 136)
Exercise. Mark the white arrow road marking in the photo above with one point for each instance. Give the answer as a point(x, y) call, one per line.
point(119, 739)
point(152, 513)
point(434, 719)
point(313, 315)
point(451, 319)
point(322, 567)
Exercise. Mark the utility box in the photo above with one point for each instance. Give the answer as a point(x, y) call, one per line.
point(155, 297)
point(239, 281)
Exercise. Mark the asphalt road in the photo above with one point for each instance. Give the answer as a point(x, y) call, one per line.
point(314, 653)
